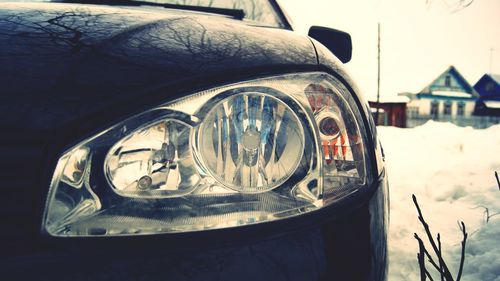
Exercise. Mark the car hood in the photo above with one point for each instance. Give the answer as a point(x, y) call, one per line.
point(67, 64)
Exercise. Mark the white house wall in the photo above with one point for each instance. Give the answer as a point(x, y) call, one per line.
point(424, 107)
point(469, 107)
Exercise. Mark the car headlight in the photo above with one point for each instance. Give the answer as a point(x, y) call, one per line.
point(241, 154)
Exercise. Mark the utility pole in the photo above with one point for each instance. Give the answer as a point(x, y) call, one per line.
point(378, 77)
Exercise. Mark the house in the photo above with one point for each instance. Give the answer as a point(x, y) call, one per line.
point(488, 88)
point(449, 98)
point(390, 112)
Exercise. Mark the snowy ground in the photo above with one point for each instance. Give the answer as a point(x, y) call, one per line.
point(451, 171)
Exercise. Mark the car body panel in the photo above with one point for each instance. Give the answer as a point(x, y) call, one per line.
point(70, 71)
point(333, 250)
point(83, 59)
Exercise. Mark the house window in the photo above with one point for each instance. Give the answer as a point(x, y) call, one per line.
point(434, 109)
point(490, 86)
point(415, 112)
point(447, 108)
point(447, 81)
point(460, 109)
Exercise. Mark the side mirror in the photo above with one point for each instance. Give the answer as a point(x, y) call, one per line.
point(338, 42)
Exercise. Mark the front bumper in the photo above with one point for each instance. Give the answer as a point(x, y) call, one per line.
point(350, 246)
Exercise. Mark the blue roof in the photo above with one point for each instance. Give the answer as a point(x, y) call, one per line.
point(488, 87)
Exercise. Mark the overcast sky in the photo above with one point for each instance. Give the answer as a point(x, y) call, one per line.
point(419, 40)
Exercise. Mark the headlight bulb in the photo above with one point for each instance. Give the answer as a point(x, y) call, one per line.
point(153, 161)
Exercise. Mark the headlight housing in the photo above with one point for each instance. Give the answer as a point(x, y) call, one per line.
point(241, 154)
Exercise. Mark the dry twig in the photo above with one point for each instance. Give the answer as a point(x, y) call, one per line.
point(498, 180)
point(442, 268)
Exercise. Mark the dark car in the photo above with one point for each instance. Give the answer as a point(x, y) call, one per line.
point(183, 140)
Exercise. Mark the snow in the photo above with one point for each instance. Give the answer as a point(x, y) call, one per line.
point(451, 171)
point(492, 104)
point(452, 94)
point(394, 99)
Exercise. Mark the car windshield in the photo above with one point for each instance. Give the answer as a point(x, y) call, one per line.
point(260, 11)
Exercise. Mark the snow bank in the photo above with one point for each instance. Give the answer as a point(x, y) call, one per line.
point(451, 171)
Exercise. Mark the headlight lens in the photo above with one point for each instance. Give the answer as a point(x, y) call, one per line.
point(241, 154)
point(251, 142)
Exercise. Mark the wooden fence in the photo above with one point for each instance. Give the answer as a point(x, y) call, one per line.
point(478, 122)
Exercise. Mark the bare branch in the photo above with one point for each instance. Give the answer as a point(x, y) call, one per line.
point(431, 260)
point(487, 215)
point(421, 260)
point(446, 271)
point(462, 257)
point(498, 180)
point(440, 250)
point(452, 6)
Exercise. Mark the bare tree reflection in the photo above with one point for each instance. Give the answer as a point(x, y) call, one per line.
point(71, 52)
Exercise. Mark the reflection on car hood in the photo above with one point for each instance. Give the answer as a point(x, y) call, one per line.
point(59, 62)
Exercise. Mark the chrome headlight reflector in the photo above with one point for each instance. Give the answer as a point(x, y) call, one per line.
point(245, 153)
